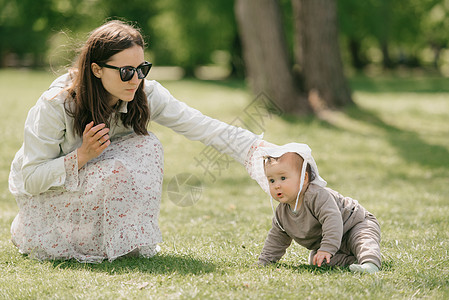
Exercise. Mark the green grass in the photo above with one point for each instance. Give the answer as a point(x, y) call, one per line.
point(391, 152)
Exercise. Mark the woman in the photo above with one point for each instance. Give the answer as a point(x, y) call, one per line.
point(88, 178)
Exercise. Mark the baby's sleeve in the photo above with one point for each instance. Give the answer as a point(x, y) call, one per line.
point(275, 245)
point(328, 214)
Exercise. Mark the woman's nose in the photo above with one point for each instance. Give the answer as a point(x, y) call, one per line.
point(135, 79)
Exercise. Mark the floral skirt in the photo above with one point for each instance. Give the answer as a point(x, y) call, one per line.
point(112, 211)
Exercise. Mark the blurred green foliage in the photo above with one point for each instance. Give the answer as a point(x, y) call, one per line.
point(189, 33)
point(413, 30)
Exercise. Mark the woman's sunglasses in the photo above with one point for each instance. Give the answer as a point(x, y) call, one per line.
point(127, 73)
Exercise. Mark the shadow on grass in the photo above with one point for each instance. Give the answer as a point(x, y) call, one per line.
point(387, 265)
point(159, 264)
point(306, 268)
point(392, 84)
point(409, 144)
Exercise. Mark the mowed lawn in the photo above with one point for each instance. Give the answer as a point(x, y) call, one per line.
point(390, 152)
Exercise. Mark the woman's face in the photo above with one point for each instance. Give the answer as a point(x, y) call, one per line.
point(110, 78)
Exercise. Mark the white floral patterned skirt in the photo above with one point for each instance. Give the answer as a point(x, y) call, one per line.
point(112, 211)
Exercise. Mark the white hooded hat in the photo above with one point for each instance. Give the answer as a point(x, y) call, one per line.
point(256, 166)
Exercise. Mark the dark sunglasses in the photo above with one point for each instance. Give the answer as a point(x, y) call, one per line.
point(127, 73)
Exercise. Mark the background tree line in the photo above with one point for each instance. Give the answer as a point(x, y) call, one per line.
point(294, 50)
point(186, 33)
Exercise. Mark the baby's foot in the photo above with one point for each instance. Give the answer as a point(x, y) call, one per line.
point(364, 268)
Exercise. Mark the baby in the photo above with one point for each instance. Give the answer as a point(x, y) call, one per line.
point(337, 229)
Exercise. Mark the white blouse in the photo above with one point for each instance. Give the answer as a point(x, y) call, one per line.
point(49, 136)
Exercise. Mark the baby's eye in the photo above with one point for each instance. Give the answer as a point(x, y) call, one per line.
point(271, 180)
point(283, 178)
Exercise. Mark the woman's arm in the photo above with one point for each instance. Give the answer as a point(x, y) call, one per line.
point(43, 164)
point(168, 111)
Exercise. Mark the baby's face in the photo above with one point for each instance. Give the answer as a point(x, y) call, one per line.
point(283, 178)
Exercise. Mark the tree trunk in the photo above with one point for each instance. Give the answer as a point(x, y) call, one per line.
point(320, 57)
point(354, 49)
point(298, 35)
point(386, 60)
point(265, 53)
point(237, 63)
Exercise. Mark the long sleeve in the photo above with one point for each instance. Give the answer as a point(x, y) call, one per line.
point(191, 123)
point(275, 245)
point(43, 164)
point(328, 214)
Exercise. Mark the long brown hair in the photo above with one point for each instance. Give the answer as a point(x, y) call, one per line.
point(89, 95)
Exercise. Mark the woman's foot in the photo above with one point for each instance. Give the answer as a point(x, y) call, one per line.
point(364, 268)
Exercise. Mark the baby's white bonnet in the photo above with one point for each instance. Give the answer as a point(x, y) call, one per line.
point(256, 166)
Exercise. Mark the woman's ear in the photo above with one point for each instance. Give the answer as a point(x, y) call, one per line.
point(96, 70)
point(306, 178)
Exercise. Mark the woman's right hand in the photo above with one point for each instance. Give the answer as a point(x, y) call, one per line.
point(95, 141)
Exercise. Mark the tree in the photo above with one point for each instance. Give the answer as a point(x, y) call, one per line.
point(265, 54)
point(27, 27)
point(24, 30)
point(138, 12)
point(319, 51)
point(401, 30)
point(186, 33)
point(320, 75)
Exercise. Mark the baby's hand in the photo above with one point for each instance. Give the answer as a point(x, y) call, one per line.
point(320, 256)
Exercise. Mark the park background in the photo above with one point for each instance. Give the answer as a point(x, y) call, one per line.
point(386, 144)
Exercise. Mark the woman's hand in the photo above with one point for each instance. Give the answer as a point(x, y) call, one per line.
point(320, 256)
point(95, 141)
point(264, 143)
